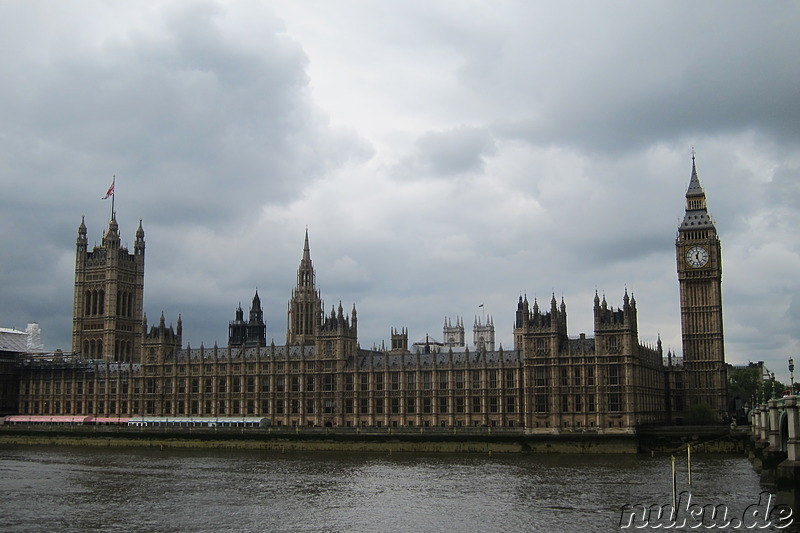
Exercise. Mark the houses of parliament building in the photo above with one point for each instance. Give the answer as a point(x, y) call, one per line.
point(550, 382)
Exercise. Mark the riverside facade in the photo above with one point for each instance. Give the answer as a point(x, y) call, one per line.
point(548, 382)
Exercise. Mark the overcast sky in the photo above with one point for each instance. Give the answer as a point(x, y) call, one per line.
point(442, 155)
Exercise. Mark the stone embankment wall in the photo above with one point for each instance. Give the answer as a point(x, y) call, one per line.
point(325, 441)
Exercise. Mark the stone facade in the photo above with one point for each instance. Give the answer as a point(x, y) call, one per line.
point(548, 382)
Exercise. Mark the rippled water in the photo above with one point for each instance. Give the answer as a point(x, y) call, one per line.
point(126, 490)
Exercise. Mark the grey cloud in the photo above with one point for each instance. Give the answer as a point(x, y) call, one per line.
point(448, 153)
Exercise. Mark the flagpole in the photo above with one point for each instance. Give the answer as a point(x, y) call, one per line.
point(113, 196)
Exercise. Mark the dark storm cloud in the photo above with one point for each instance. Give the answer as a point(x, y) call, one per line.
point(201, 110)
point(619, 76)
point(185, 113)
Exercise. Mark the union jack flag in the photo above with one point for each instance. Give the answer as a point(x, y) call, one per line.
point(110, 191)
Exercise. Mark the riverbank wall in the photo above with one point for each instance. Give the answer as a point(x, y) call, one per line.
point(651, 441)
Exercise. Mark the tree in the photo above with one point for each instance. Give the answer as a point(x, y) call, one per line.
point(744, 383)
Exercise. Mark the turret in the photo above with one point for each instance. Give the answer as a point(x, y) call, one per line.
point(138, 247)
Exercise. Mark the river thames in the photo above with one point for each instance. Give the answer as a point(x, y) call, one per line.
point(74, 489)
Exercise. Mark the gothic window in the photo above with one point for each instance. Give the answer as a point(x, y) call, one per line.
point(613, 344)
point(426, 406)
point(410, 406)
point(541, 346)
point(492, 379)
point(614, 402)
point(613, 375)
point(511, 404)
point(510, 379)
point(541, 376)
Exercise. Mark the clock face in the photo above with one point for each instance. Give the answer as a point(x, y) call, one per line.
point(697, 256)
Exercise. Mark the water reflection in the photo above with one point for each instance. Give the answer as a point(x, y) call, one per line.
point(87, 489)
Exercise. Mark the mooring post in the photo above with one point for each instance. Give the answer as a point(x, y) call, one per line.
point(674, 487)
point(689, 462)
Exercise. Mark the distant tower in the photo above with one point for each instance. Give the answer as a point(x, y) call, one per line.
point(305, 306)
point(338, 334)
point(483, 334)
point(109, 288)
point(453, 335)
point(400, 340)
point(699, 258)
point(251, 333)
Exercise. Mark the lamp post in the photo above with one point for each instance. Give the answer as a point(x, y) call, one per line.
point(791, 375)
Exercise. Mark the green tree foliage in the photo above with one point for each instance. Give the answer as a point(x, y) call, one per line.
point(744, 383)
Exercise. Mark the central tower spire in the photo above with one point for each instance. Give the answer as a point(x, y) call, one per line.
point(305, 306)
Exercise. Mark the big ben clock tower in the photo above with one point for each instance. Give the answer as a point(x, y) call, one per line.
point(698, 253)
